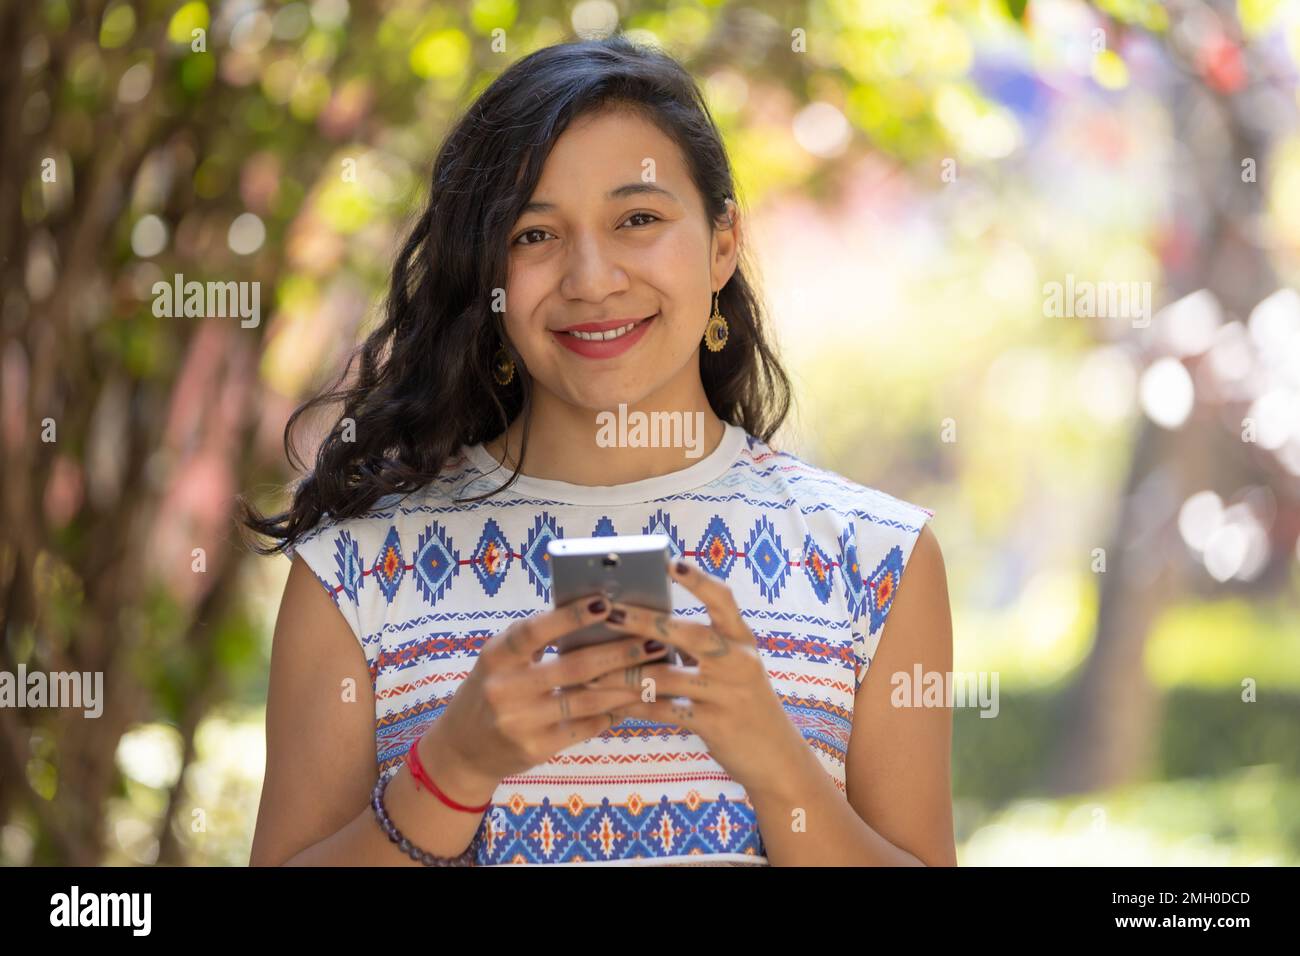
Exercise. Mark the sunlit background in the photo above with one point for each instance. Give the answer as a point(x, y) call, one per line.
point(1117, 495)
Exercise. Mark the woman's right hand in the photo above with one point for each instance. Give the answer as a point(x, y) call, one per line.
point(517, 709)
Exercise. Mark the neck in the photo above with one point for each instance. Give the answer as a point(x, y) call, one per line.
point(584, 446)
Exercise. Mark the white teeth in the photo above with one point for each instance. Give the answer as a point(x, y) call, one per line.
point(607, 334)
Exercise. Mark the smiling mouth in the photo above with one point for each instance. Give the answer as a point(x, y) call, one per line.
point(609, 334)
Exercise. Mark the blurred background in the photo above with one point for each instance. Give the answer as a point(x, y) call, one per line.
point(1116, 488)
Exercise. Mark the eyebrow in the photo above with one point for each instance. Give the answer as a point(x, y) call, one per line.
point(619, 192)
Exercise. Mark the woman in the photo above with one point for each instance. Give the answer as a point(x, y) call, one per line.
point(580, 252)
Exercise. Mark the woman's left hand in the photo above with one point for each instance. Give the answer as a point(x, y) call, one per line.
point(729, 701)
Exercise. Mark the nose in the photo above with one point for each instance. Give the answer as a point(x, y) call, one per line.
point(592, 269)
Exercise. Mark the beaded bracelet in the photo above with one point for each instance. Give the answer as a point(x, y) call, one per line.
point(406, 846)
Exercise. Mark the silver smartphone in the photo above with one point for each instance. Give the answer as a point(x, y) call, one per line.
point(632, 569)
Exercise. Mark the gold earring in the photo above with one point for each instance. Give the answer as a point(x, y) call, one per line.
point(715, 333)
point(503, 367)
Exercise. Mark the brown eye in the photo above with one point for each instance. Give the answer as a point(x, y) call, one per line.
point(648, 215)
point(528, 232)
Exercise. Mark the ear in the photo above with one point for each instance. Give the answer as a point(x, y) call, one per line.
point(727, 246)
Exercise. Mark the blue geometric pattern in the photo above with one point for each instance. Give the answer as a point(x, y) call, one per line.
point(536, 560)
point(661, 524)
point(854, 588)
point(492, 557)
point(768, 561)
point(389, 567)
point(821, 575)
point(646, 790)
point(435, 563)
point(564, 833)
point(716, 551)
point(883, 584)
point(347, 557)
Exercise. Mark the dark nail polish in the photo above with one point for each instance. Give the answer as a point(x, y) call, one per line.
point(596, 606)
point(682, 567)
point(616, 616)
point(652, 646)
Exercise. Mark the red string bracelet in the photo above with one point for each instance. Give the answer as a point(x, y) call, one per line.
point(421, 777)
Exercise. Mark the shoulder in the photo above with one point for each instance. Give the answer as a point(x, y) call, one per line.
point(869, 512)
point(344, 533)
point(919, 629)
point(882, 541)
point(350, 555)
point(927, 579)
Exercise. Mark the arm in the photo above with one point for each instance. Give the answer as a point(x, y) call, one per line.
point(899, 763)
point(320, 752)
point(899, 809)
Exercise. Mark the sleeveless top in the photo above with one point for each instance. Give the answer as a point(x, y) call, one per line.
point(813, 560)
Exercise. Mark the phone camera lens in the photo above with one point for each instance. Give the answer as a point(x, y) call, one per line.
point(610, 560)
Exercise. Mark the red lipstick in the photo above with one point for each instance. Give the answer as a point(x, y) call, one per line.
point(603, 348)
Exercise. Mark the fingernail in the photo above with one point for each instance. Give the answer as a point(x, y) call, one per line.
point(682, 567)
point(652, 647)
point(616, 616)
point(596, 606)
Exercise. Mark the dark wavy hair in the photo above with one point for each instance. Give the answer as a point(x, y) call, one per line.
point(424, 386)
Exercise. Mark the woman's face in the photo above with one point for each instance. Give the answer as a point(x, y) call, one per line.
point(615, 235)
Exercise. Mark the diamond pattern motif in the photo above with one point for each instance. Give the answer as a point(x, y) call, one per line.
point(851, 571)
point(768, 561)
point(435, 563)
point(536, 560)
point(347, 558)
point(491, 558)
point(716, 551)
point(561, 833)
point(662, 524)
point(882, 584)
point(819, 570)
point(389, 566)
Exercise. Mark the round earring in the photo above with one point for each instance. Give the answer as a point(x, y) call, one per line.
point(503, 367)
point(715, 333)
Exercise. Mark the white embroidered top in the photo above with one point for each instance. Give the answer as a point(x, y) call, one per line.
point(814, 561)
